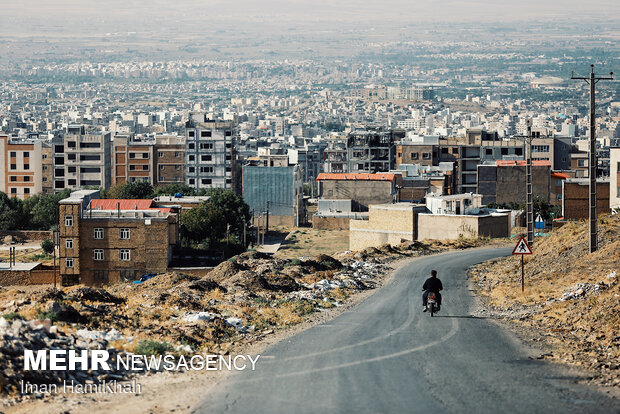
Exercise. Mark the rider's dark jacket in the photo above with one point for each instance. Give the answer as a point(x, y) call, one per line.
point(433, 284)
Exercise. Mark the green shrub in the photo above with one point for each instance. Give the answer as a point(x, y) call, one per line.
point(152, 347)
point(48, 246)
point(51, 315)
point(11, 316)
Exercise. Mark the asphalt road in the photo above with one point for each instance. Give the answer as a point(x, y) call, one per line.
point(387, 356)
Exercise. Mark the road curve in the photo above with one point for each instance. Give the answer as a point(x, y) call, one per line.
point(387, 356)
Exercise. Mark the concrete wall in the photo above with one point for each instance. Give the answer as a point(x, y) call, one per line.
point(576, 201)
point(361, 192)
point(614, 177)
point(387, 223)
point(447, 227)
point(22, 235)
point(330, 223)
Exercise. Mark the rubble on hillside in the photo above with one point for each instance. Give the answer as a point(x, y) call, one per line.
point(571, 301)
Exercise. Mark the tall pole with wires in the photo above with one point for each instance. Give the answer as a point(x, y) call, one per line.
point(592, 80)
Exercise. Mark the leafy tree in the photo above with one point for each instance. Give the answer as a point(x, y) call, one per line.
point(42, 209)
point(204, 224)
point(12, 215)
point(135, 190)
point(235, 210)
point(48, 246)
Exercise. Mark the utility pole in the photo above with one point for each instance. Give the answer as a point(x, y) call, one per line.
point(267, 219)
point(592, 80)
point(528, 184)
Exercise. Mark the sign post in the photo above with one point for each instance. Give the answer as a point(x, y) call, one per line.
point(521, 249)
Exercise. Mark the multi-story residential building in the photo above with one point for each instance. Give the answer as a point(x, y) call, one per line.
point(20, 167)
point(370, 151)
point(308, 159)
point(82, 159)
point(169, 159)
point(275, 192)
point(504, 181)
point(335, 156)
point(133, 160)
point(209, 153)
point(413, 153)
point(614, 177)
point(47, 168)
point(108, 241)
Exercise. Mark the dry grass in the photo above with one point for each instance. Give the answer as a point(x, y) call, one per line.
point(584, 330)
point(310, 242)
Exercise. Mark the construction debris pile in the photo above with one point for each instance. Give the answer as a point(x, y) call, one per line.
point(571, 301)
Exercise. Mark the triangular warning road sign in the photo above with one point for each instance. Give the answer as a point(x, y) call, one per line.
point(522, 247)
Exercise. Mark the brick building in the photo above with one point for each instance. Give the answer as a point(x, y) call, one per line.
point(361, 189)
point(109, 241)
point(20, 167)
point(576, 198)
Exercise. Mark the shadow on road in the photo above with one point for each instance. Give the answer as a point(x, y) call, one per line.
point(462, 316)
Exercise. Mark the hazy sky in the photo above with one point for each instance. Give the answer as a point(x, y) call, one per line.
point(135, 15)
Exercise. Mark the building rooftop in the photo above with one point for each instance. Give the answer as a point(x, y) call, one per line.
point(522, 163)
point(18, 266)
point(360, 176)
point(181, 200)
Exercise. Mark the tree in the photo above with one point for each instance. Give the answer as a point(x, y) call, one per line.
point(12, 215)
point(48, 246)
point(235, 210)
point(42, 210)
point(204, 224)
point(135, 190)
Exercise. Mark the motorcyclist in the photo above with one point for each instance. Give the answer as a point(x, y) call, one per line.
point(432, 284)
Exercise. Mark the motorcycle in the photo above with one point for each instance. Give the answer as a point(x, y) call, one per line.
point(431, 303)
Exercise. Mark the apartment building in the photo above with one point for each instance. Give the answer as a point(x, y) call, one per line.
point(335, 156)
point(209, 153)
point(110, 241)
point(47, 168)
point(20, 167)
point(370, 151)
point(82, 159)
point(133, 160)
point(169, 159)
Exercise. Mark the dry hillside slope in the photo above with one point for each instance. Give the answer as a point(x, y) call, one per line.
point(571, 299)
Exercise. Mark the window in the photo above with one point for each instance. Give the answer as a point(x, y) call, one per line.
point(98, 254)
point(26, 154)
point(13, 178)
point(90, 145)
point(69, 244)
point(96, 157)
point(177, 154)
point(206, 169)
point(191, 145)
point(125, 255)
point(26, 178)
point(69, 262)
point(13, 154)
point(414, 155)
point(426, 155)
point(444, 150)
point(205, 134)
point(132, 167)
point(519, 151)
point(192, 158)
point(68, 221)
point(504, 151)
point(125, 234)
point(145, 155)
point(160, 155)
point(192, 181)
point(26, 190)
point(192, 169)
point(206, 145)
point(70, 144)
point(71, 181)
point(145, 167)
point(90, 169)
point(71, 157)
point(455, 150)
point(581, 163)
point(190, 134)
point(13, 166)
point(100, 277)
point(13, 190)
point(488, 151)
point(206, 181)
point(98, 233)
point(26, 166)
point(128, 275)
point(205, 158)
